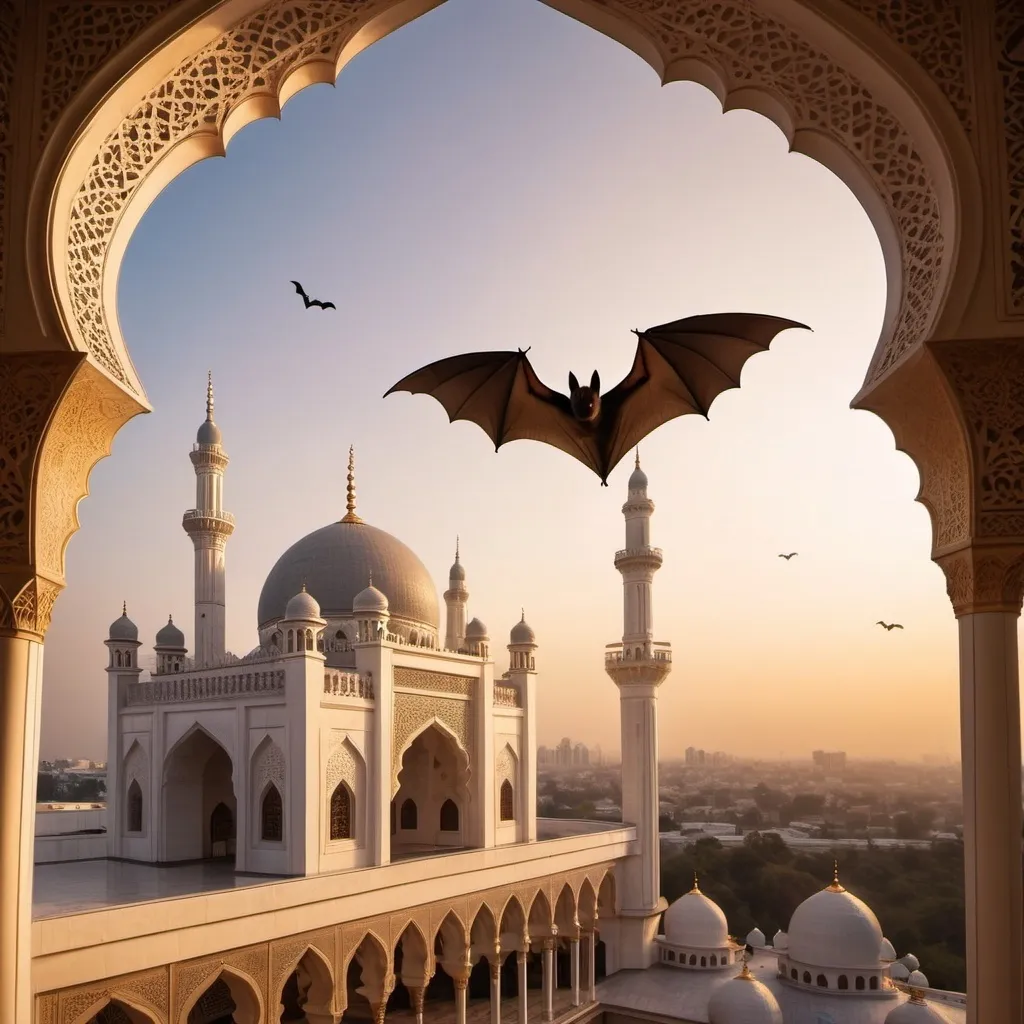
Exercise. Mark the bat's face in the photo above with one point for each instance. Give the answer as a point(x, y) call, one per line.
point(585, 402)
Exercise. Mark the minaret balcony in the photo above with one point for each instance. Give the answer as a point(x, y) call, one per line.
point(207, 520)
point(638, 663)
point(638, 558)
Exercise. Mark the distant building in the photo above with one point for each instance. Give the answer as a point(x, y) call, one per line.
point(829, 760)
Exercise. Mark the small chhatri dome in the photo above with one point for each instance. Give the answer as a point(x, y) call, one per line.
point(899, 972)
point(755, 938)
point(522, 633)
point(170, 636)
point(476, 630)
point(209, 432)
point(915, 1011)
point(123, 628)
point(887, 951)
point(695, 921)
point(638, 478)
point(744, 1000)
point(781, 940)
point(369, 600)
point(910, 961)
point(457, 572)
point(918, 980)
point(302, 606)
point(833, 928)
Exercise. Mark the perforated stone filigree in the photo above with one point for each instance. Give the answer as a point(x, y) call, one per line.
point(413, 711)
point(341, 765)
point(754, 50)
point(441, 682)
point(79, 38)
point(1010, 33)
point(932, 32)
point(505, 766)
point(10, 23)
point(136, 766)
point(268, 766)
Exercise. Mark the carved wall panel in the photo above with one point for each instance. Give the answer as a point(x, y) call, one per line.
point(413, 711)
point(982, 579)
point(268, 766)
point(192, 975)
point(148, 989)
point(932, 32)
point(755, 50)
point(752, 49)
point(440, 682)
point(10, 24)
point(285, 954)
point(341, 765)
point(136, 766)
point(988, 378)
point(1010, 33)
point(79, 38)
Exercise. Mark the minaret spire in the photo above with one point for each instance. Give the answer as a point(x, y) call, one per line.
point(209, 526)
point(350, 515)
point(638, 666)
point(455, 598)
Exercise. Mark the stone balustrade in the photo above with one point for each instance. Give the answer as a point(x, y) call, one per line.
point(206, 685)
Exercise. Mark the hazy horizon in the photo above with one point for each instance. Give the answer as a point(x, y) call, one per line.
point(497, 176)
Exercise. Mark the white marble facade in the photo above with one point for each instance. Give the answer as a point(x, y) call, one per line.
point(347, 737)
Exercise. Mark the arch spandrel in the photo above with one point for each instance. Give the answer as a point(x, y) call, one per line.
point(773, 49)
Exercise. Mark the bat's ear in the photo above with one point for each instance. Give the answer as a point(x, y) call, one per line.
point(595, 382)
point(574, 384)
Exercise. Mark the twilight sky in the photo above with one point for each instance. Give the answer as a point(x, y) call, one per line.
point(492, 176)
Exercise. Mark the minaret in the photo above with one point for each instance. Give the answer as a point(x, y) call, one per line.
point(638, 666)
point(209, 526)
point(455, 598)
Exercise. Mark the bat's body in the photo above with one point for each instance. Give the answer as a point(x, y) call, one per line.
point(888, 626)
point(789, 556)
point(312, 302)
point(678, 368)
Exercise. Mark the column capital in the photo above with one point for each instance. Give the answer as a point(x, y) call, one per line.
point(26, 604)
point(521, 955)
point(984, 577)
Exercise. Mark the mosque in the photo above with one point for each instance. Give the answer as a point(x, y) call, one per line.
point(358, 735)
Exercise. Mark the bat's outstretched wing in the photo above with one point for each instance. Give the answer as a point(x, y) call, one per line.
point(323, 305)
point(681, 368)
point(301, 291)
point(501, 393)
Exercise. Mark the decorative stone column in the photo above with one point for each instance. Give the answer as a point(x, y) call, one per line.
point(417, 994)
point(591, 939)
point(495, 965)
point(549, 979)
point(521, 955)
point(574, 961)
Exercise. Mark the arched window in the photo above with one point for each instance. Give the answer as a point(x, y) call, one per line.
point(508, 802)
point(341, 812)
point(117, 658)
point(859, 984)
point(449, 816)
point(843, 981)
point(408, 816)
point(693, 960)
point(822, 981)
point(291, 641)
point(807, 977)
point(275, 639)
point(133, 815)
point(714, 960)
point(309, 639)
point(794, 975)
point(672, 956)
point(272, 816)
point(222, 824)
point(703, 961)
point(873, 983)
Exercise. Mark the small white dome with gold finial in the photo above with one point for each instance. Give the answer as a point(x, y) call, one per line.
point(209, 432)
point(303, 606)
point(898, 971)
point(781, 940)
point(638, 478)
point(123, 628)
point(915, 1011)
point(170, 636)
point(522, 633)
point(918, 979)
point(755, 938)
point(369, 600)
point(744, 1000)
point(476, 630)
point(696, 922)
point(457, 572)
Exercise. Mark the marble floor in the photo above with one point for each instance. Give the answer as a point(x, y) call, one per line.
point(76, 887)
point(478, 1011)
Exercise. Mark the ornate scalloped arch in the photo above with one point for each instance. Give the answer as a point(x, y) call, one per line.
point(433, 722)
point(906, 158)
point(243, 988)
point(321, 958)
point(142, 1012)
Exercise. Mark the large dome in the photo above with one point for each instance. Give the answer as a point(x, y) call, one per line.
point(697, 922)
point(744, 1000)
point(833, 928)
point(335, 563)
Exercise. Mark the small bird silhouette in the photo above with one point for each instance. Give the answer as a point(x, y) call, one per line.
point(789, 556)
point(312, 302)
point(888, 626)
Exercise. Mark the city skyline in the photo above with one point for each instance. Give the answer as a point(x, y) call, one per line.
point(437, 203)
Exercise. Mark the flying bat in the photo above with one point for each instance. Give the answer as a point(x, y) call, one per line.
point(679, 368)
point(789, 556)
point(312, 302)
point(888, 626)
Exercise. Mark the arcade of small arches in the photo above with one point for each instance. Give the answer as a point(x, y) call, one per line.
point(541, 943)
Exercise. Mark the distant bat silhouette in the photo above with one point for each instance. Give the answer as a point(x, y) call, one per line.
point(312, 302)
point(789, 556)
point(888, 626)
point(679, 368)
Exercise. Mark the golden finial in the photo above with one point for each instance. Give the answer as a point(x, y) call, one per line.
point(456, 547)
point(835, 886)
point(696, 887)
point(745, 973)
point(350, 515)
point(638, 456)
point(209, 395)
point(124, 608)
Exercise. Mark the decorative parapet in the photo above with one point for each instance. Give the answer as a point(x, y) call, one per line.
point(205, 685)
point(507, 697)
point(348, 684)
point(656, 652)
